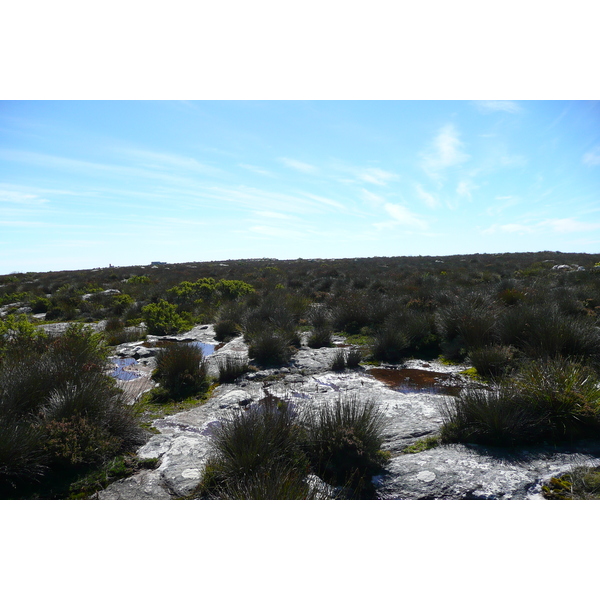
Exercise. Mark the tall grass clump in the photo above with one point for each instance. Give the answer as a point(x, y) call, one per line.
point(257, 454)
point(231, 368)
point(547, 401)
point(344, 443)
point(181, 370)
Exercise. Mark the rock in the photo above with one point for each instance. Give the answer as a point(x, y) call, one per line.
point(444, 472)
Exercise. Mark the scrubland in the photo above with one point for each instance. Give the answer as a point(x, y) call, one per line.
point(527, 325)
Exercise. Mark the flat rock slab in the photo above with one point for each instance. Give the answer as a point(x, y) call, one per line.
point(458, 472)
point(445, 472)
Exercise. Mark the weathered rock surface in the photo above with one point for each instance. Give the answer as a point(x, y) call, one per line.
point(447, 472)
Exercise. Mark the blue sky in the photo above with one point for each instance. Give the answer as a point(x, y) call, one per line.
point(88, 183)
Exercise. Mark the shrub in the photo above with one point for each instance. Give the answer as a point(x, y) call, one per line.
point(495, 417)
point(181, 370)
point(226, 330)
point(390, 345)
point(270, 348)
point(491, 361)
point(339, 360)
point(546, 401)
point(320, 338)
point(581, 483)
point(58, 404)
point(257, 453)
point(162, 318)
point(231, 367)
point(344, 443)
point(353, 358)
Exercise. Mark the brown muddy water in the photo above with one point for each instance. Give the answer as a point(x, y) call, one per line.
point(410, 381)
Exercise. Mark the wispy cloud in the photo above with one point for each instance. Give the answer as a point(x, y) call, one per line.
point(298, 165)
point(167, 161)
point(504, 202)
point(22, 198)
point(545, 227)
point(465, 188)
point(569, 225)
point(403, 216)
point(498, 105)
point(444, 152)
point(592, 158)
point(258, 170)
point(371, 198)
point(430, 200)
point(376, 176)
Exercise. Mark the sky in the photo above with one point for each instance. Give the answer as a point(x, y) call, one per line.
point(85, 184)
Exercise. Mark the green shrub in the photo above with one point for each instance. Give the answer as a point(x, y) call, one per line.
point(256, 454)
point(491, 361)
point(581, 483)
point(58, 406)
point(162, 318)
point(353, 358)
point(270, 348)
point(390, 345)
point(226, 330)
point(546, 401)
point(181, 370)
point(344, 443)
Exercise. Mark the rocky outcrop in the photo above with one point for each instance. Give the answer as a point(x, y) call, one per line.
point(411, 414)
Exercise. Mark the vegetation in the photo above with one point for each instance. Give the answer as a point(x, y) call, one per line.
point(268, 451)
point(60, 414)
point(581, 483)
point(181, 371)
point(552, 400)
point(531, 331)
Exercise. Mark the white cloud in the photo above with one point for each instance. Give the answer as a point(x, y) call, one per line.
point(268, 214)
point(569, 225)
point(403, 216)
point(376, 176)
point(371, 198)
point(256, 170)
point(445, 152)
point(298, 165)
point(465, 188)
point(592, 158)
point(15, 197)
point(498, 105)
point(429, 199)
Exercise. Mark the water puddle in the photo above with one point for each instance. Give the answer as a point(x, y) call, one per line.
point(410, 381)
point(120, 371)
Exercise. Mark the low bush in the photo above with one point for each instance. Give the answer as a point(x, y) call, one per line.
point(256, 454)
point(390, 345)
point(58, 408)
point(546, 401)
point(162, 318)
point(353, 358)
point(181, 370)
point(339, 360)
point(320, 338)
point(226, 330)
point(231, 368)
point(344, 443)
point(270, 348)
point(491, 361)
